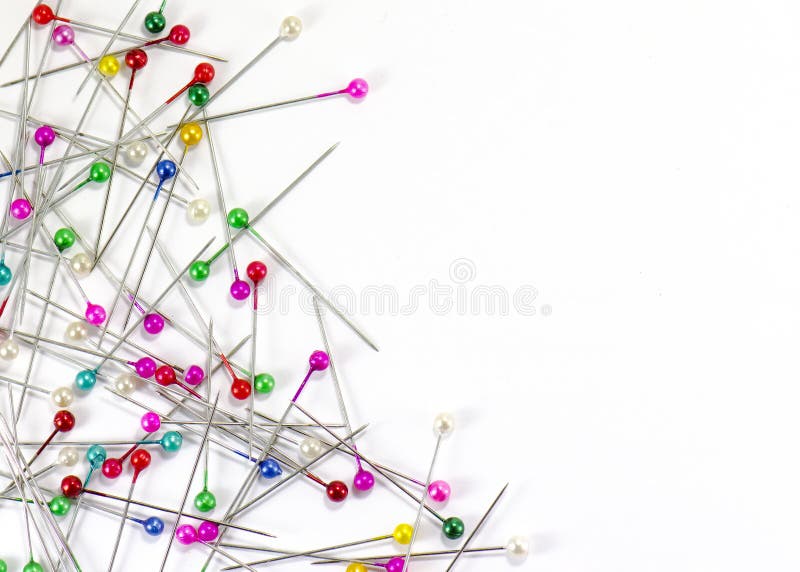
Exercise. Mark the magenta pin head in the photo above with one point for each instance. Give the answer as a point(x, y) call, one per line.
point(364, 480)
point(207, 531)
point(145, 367)
point(395, 565)
point(439, 491)
point(240, 289)
point(95, 314)
point(21, 209)
point(318, 361)
point(358, 88)
point(44, 136)
point(186, 534)
point(194, 375)
point(151, 422)
point(64, 35)
point(153, 323)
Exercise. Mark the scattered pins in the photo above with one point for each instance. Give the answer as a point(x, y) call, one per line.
point(63, 422)
point(204, 534)
point(165, 376)
point(140, 460)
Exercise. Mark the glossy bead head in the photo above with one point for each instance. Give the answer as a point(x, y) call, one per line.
point(165, 375)
point(64, 35)
point(151, 422)
point(270, 468)
point(112, 468)
point(395, 565)
point(99, 172)
point(9, 349)
point(44, 136)
point(108, 66)
point(95, 314)
point(64, 238)
point(291, 28)
point(153, 323)
point(402, 533)
point(166, 169)
point(517, 547)
point(171, 441)
point(318, 361)
point(191, 134)
point(240, 290)
point(81, 265)
point(59, 506)
point(199, 270)
point(204, 72)
point(198, 94)
point(96, 455)
point(238, 218)
point(186, 534)
point(136, 59)
point(153, 526)
point(20, 209)
point(179, 34)
point(62, 397)
point(71, 487)
point(336, 491)
point(85, 379)
point(5, 274)
point(125, 383)
point(240, 389)
point(356, 567)
point(64, 421)
point(205, 501)
point(256, 271)
point(198, 210)
point(207, 531)
point(140, 460)
point(439, 491)
point(364, 480)
point(145, 367)
point(194, 375)
point(444, 424)
point(453, 527)
point(43, 14)
point(155, 22)
point(68, 456)
point(32, 566)
point(135, 153)
point(264, 383)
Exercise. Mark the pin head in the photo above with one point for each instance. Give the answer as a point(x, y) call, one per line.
point(238, 218)
point(99, 172)
point(336, 491)
point(453, 527)
point(270, 468)
point(194, 375)
point(204, 73)
point(145, 367)
point(44, 136)
point(179, 34)
point(64, 238)
point(264, 383)
point(135, 153)
point(108, 66)
point(68, 457)
point(32, 566)
point(59, 506)
point(95, 314)
point(240, 389)
point(171, 441)
point(136, 59)
point(198, 210)
point(43, 14)
point(153, 323)
point(364, 480)
point(71, 487)
point(62, 397)
point(165, 375)
point(356, 567)
point(358, 88)
point(205, 501)
point(199, 270)
point(85, 379)
point(112, 468)
point(318, 361)
point(207, 531)
point(198, 94)
point(166, 169)
point(191, 134)
point(21, 209)
point(402, 533)
point(5, 274)
point(64, 421)
point(240, 289)
point(439, 491)
point(96, 455)
point(81, 266)
point(291, 28)
point(186, 534)
point(125, 383)
point(155, 22)
point(395, 565)
point(517, 547)
point(256, 271)
point(64, 35)
point(443, 425)
point(153, 526)
point(151, 422)
point(140, 460)
point(310, 448)
point(9, 349)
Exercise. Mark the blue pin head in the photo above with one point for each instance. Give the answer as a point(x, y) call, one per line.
point(166, 169)
point(96, 454)
point(270, 468)
point(153, 526)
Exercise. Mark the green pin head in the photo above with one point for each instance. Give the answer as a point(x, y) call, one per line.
point(64, 238)
point(264, 383)
point(198, 94)
point(99, 172)
point(238, 218)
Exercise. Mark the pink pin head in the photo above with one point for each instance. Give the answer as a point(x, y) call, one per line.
point(44, 136)
point(151, 422)
point(439, 491)
point(194, 375)
point(95, 314)
point(112, 468)
point(145, 367)
point(358, 88)
point(179, 35)
point(364, 480)
point(395, 565)
point(204, 73)
point(21, 209)
point(153, 323)
point(207, 531)
point(318, 361)
point(165, 375)
point(64, 35)
point(240, 289)
point(186, 534)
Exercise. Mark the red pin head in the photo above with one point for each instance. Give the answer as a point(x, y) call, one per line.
point(140, 460)
point(179, 34)
point(43, 14)
point(136, 59)
point(165, 375)
point(71, 487)
point(112, 468)
point(241, 389)
point(204, 73)
point(64, 421)
point(256, 271)
point(336, 491)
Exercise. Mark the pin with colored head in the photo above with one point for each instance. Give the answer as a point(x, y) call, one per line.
point(317, 361)
point(165, 170)
point(135, 59)
point(96, 456)
point(203, 74)
point(95, 314)
point(155, 22)
point(165, 376)
point(44, 137)
point(63, 422)
point(9, 349)
point(140, 460)
point(194, 375)
point(71, 487)
point(86, 379)
point(64, 35)
point(145, 367)
point(198, 210)
point(439, 491)
point(264, 383)
point(62, 397)
point(68, 457)
point(20, 208)
point(5, 272)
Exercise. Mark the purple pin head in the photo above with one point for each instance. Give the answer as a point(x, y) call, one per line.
point(44, 136)
point(194, 375)
point(318, 361)
point(21, 209)
point(151, 422)
point(95, 314)
point(358, 88)
point(145, 367)
point(364, 480)
point(186, 534)
point(395, 565)
point(207, 531)
point(153, 323)
point(240, 289)
point(64, 35)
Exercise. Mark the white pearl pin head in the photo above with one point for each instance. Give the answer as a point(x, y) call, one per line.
point(291, 27)
point(443, 425)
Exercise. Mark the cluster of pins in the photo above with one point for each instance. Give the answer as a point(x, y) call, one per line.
point(275, 449)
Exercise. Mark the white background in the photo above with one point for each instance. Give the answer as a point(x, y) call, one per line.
point(635, 162)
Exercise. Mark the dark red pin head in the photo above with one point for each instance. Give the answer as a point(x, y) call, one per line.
point(336, 491)
point(64, 421)
point(71, 487)
point(179, 34)
point(136, 59)
point(256, 271)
